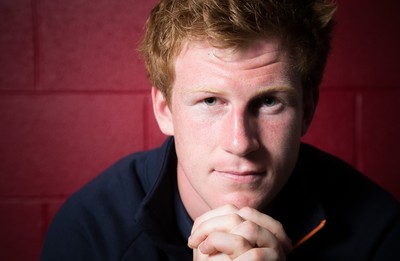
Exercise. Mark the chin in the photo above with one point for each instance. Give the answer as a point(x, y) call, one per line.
point(241, 201)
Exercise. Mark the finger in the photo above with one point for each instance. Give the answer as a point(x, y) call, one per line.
point(198, 256)
point(229, 244)
point(258, 237)
point(224, 210)
point(223, 223)
point(219, 257)
point(268, 223)
point(258, 254)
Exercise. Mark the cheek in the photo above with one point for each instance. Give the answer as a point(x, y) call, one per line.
point(282, 130)
point(291, 140)
point(195, 128)
point(193, 138)
point(281, 139)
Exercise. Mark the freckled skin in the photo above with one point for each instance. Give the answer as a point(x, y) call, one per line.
point(237, 118)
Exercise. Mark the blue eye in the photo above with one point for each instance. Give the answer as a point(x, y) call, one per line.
point(210, 101)
point(269, 101)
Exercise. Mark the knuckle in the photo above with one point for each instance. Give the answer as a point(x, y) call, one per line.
point(263, 254)
point(230, 207)
point(211, 239)
point(234, 219)
point(257, 254)
point(279, 225)
point(241, 243)
point(247, 210)
point(249, 227)
point(278, 228)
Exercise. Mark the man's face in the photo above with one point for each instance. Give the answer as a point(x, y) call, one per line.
point(237, 118)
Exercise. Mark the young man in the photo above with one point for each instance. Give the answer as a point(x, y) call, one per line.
point(235, 85)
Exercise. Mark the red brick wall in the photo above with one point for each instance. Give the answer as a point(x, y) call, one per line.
point(74, 98)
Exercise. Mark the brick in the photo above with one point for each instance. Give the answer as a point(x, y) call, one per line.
point(16, 45)
point(380, 141)
point(333, 127)
point(20, 227)
point(51, 207)
point(365, 46)
point(52, 144)
point(87, 46)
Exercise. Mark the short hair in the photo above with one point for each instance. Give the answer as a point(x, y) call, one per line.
point(304, 26)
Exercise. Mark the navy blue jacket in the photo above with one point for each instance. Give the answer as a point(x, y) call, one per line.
point(328, 209)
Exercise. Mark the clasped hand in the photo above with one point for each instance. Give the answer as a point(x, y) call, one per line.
point(229, 233)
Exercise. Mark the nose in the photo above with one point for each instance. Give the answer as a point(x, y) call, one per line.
point(239, 133)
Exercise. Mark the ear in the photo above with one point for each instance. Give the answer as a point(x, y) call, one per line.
point(310, 101)
point(162, 112)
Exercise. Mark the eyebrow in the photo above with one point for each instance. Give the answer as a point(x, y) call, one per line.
point(206, 89)
point(259, 92)
point(275, 89)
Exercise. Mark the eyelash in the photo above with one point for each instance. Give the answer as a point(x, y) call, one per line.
point(266, 102)
point(275, 101)
point(208, 100)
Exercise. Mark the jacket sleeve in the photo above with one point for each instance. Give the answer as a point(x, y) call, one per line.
point(68, 237)
point(389, 248)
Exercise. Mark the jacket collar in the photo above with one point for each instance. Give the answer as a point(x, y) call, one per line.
point(299, 212)
point(157, 212)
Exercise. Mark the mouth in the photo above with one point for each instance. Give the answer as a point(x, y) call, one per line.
point(240, 177)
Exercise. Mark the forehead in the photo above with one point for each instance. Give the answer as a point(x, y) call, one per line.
point(257, 50)
point(260, 62)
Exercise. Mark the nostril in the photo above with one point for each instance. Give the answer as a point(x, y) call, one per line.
point(243, 143)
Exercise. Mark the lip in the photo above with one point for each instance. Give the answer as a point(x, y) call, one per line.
point(240, 177)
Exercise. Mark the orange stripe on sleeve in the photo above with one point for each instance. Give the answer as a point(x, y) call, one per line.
point(309, 235)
